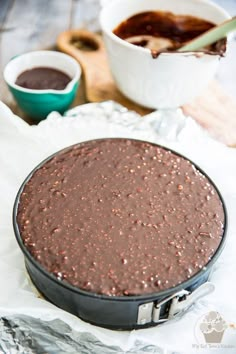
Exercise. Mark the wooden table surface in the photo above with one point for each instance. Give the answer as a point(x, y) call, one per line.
point(27, 25)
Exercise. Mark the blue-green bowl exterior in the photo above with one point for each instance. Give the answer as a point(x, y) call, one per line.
point(38, 105)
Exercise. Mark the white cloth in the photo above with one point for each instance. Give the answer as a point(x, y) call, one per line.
point(22, 147)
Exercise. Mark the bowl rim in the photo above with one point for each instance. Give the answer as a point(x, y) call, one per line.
point(143, 297)
point(69, 87)
point(146, 51)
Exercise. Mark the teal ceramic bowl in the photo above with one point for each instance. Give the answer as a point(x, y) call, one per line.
point(37, 104)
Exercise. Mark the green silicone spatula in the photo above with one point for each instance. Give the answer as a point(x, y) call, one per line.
point(211, 36)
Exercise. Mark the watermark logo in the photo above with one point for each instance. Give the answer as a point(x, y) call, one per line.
point(213, 327)
point(210, 330)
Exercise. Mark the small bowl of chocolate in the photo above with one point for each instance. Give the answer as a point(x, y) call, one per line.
point(42, 82)
point(142, 39)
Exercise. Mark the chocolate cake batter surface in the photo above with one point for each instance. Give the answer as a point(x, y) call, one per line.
point(120, 217)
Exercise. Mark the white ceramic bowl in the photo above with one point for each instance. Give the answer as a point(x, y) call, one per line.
point(171, 79)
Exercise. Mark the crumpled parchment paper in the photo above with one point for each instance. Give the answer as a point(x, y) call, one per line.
point(30, 324)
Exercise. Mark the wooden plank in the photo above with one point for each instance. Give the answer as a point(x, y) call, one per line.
point(5, 5)
point(85, 14)
point(36, 25)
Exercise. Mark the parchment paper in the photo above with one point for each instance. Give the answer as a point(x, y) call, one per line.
point(30, 324)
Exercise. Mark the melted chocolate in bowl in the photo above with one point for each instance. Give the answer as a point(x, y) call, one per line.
point(42, 78)
point(120, 217)
point(161, 30)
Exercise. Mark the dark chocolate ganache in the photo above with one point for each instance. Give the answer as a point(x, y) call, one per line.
point(120, 217)
point(42, 78)
point(162, 30)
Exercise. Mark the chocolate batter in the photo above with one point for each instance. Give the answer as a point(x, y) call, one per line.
point(120, 217)
point(42, 78)
point(162, 30)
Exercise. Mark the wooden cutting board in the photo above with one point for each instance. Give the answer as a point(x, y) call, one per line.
point(214, 110)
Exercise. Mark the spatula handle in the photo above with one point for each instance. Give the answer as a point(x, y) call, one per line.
point(211, 36)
